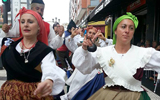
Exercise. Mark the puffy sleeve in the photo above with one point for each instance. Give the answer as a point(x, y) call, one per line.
point(102, 43)
point(154, 62)
point(71, 44)
point(77, 38)
point(53, 72)
point(85, 61)
point(109, 41)
point(54, 41)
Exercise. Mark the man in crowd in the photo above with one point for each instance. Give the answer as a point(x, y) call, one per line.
point(55, 27)
point(63, 51)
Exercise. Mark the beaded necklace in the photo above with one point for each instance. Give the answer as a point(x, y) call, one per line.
point(22, 52)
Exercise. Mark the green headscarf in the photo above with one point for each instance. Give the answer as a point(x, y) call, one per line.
point(118, 20)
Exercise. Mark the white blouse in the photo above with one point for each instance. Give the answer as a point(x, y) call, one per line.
point(77, 80)
point(121, 72)
point(109, 41)
point(71, 43)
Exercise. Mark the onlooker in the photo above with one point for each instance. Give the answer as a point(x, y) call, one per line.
point(55, 27)
point(141, 43)
point(147, 44)
point(154, 44)
point(158, 47)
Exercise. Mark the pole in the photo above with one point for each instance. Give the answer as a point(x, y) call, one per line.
point(28, 7)
point(5, 14)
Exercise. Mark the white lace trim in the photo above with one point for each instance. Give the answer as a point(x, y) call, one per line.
point(114, 79)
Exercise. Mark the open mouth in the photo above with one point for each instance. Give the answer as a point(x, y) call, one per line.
point(26, 30)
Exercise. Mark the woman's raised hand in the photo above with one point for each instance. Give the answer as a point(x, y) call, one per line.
point(100, 35)
point(86, 42)
point(74, 33)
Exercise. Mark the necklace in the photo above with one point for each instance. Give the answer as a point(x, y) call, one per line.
point(29, 47)
point(22, 52)
point(26, 58)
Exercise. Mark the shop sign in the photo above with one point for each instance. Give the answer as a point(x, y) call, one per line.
point(99, 9)
point(105, 3)
point(136, 4)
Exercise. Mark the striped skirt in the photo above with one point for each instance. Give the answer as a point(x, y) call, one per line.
point(17, 90)
point(118, 94)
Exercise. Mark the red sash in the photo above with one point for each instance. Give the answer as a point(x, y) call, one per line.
point(4, 47)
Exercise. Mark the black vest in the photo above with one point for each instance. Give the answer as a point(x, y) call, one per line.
point(19, 70)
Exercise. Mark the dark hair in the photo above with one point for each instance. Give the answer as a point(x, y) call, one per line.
point(70, 25)
point(55, 24)
point(37, 1)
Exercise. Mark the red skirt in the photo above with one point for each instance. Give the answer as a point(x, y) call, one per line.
point(17, 90)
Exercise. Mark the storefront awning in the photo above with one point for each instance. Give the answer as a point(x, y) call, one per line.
point(108, 7)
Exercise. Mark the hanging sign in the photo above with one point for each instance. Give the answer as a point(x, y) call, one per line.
point(135, 5)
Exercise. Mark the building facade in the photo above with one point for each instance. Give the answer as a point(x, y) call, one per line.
point(80, 9)
point(147, 12)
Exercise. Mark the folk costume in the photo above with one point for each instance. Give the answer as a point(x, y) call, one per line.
point(27, 67)
point(82, 86)
point(124, 71)
point(63, 52)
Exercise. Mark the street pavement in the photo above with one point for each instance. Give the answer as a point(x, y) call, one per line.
point(2, 77)
point(152, 95)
